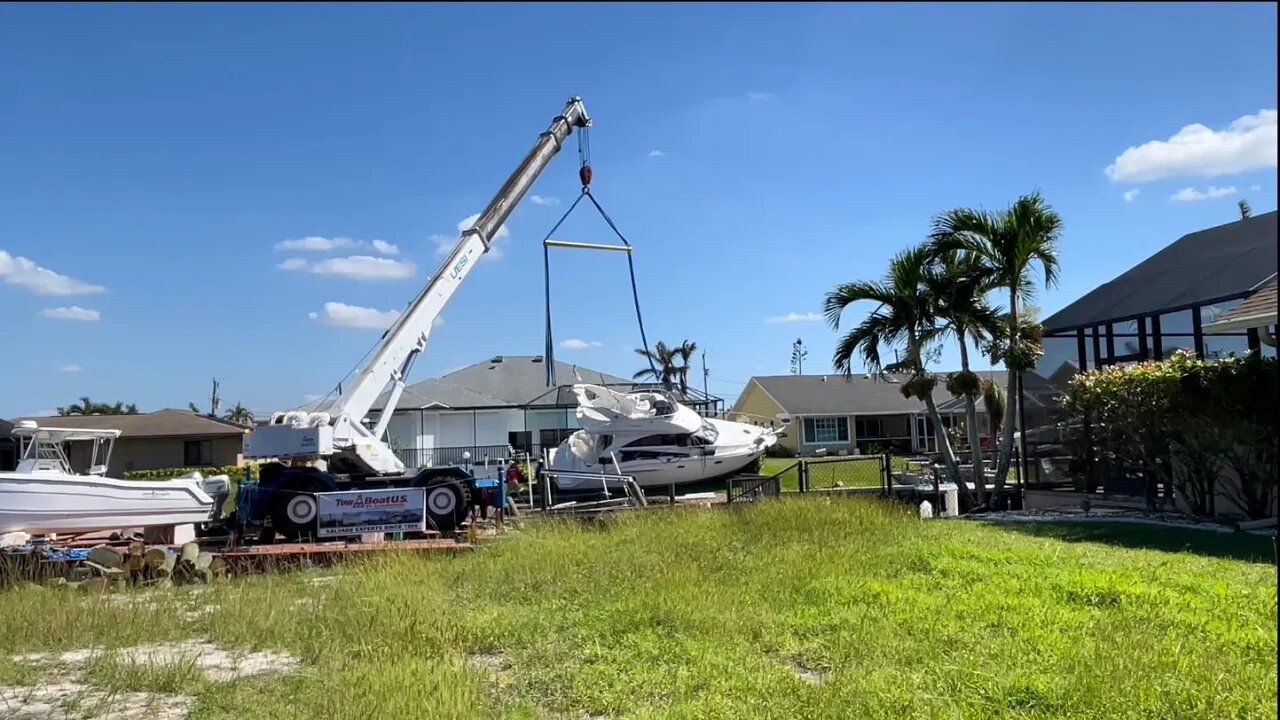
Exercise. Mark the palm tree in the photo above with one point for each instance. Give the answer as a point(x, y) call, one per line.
point(685, 354)
point(240, 415)
point(1245, 210)
point(905, 316)
point(86, 406)
point(958, 285)
point(194, 408)
point(1008, 244)
point(662, 367)
point(993, 403)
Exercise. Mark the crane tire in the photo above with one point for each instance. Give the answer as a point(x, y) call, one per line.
point(447, 505)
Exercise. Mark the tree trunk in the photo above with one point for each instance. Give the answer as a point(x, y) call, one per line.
point(971, 420)
point(1011, 401)
point(944, 443)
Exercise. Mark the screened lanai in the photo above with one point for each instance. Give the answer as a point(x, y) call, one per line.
point(1172, 300)
point(1163, 303)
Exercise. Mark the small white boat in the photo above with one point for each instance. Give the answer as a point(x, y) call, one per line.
point(43, 495)
point(651, 437)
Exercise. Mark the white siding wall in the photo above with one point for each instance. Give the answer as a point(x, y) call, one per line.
point(405, 430)
point(551, 420)
point(429, 429)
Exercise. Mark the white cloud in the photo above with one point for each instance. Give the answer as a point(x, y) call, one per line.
point(354, 316)
point(543, 200)
point(1129, 195)
point(69, 368)
point(576, 344)
point(1249, 143)
point(792, 317)
point(759, 95)
point(1255, 188)
point(75, 312)
point(311, 397)
point(656, 153)
point(1192, 194)
point(17, 270)
point(357, 267)
point(314, 243)
point(445, 244)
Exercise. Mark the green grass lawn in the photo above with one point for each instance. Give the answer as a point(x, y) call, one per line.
point(808, 607)
point(830, 473)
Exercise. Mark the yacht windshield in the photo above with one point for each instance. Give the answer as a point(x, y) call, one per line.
point(664, 403)
point(709, 432)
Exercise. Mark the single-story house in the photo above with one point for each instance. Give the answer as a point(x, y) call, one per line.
point(8, 447)
point(496, 407)
point(156, 440)
point(865, 413)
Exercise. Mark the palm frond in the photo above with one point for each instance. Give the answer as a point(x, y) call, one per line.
point(847, 294)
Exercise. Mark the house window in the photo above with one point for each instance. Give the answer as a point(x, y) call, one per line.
point(820, 430)
point(869, 427)
point(197, 452)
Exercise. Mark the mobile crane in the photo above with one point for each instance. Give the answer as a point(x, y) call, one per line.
point(333, 450)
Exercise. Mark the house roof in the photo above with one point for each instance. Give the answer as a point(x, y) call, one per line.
point(163, 423)
point(1207, 265)
point(863, 395)
point(1257, 310)
point(503, 381)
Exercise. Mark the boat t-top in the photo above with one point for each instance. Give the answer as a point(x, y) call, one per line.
point(44, 495)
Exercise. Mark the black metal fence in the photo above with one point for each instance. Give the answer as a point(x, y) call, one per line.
point(466, 455)
point(860, 472)
point(753, 487)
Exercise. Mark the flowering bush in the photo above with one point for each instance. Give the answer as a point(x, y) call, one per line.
point(1205, 415)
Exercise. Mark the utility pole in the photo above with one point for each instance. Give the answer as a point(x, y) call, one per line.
point(213, 399)
point(705, 372)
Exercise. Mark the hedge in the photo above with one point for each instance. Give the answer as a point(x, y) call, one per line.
point(235, 472)
point(1181, 421)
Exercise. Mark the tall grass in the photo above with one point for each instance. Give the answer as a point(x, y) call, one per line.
point(804, 608)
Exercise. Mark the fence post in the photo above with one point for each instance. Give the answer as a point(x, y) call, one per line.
point(671, 493)
point(886, 472)
point(804, 476)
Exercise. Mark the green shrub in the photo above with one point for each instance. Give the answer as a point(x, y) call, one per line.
point(778, 450)
point(233, 471)
point(1205, 414)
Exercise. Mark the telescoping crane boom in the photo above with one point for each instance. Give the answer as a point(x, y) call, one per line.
point(336, 440)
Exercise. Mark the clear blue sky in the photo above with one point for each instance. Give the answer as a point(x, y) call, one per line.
point(154, 156)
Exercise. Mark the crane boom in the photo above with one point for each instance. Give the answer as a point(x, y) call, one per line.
point(339, 433)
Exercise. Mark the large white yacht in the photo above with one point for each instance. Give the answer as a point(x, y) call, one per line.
point(651, 437)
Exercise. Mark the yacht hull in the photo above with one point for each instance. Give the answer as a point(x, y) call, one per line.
point(43, 503)
point(672, 469)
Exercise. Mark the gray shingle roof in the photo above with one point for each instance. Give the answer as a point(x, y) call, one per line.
point(812, 395)
point(515, 381)
point(1209, 264)
point(1260, 305)
point(163, 423)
